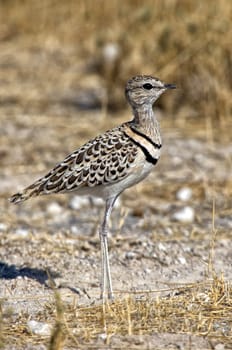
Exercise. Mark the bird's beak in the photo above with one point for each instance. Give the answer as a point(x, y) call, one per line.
point(170, 86)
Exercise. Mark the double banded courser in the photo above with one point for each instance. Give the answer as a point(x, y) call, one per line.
point(110, 163)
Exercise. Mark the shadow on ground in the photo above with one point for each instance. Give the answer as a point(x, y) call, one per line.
point(12, 271)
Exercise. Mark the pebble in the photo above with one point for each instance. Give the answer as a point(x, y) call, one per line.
point(97, 202)
point(39, 328)
point(186, 214)
point(203, 296)
point(162, 247)
point(111, 52)
point(130, 255)
point(22, 232)
point(78, 202)
point(176, 160)
point(168, 231)
point(102, 336)
point(3, 227)
point(54, 208)
point(74, 230)
point(184, 194)
point(219, 346)
point(182, 260)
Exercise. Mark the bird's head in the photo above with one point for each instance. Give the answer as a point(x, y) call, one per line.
point(145, 89)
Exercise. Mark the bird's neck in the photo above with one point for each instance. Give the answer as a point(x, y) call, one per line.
point(146, 122)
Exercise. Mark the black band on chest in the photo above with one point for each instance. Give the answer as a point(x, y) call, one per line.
point(148, 156)
point(155, 145)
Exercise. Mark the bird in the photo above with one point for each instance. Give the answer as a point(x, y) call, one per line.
point(110, 163)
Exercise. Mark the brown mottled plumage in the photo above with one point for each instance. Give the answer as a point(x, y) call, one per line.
point(110, 163)
point(104, 160)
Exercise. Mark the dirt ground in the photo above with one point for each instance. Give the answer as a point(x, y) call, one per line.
point(172, 230)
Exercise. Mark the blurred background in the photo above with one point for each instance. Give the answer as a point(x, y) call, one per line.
point(82, 52)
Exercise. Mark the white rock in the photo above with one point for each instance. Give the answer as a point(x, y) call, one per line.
point(74, 230)
point(22, 232)
point(219, 346)
point(78, 202)
point(168, 231)
point(54, 208)
point(3, 227)
point(176, 160)
point(184, 194)
point(102, 336)
point(130, 255)
point(39, 328)
point(162, 247)
point(182, 260)
point(203, 296)
point(97, 202)
point(185, 214)
point(111, 52)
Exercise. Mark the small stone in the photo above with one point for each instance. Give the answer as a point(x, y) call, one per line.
point(97, 202)
point(185, 214)
point(130, 255)
point(203, 296)
point(111, 52)
point(74, 230)
point(154, 256)
point(22, 232)
point(78, 202)
point(3, 227)
point(182, 260)
point(184, 194)
point(219, 346)
point(54, 208)
point(39, 328)
point(177, 160)
point(162, 247)
point(168, 231)
point(102, 336)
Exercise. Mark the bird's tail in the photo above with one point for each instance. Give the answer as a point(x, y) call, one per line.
point(31, 191)
point(21, 196)
point(51, 183)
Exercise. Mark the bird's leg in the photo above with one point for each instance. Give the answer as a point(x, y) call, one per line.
point(105, 265)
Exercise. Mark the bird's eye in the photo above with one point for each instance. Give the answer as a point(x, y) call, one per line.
point(147, 86)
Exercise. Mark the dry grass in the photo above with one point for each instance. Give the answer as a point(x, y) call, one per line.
point(198, 309)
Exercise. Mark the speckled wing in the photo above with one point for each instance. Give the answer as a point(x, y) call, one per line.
point(104, 160)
